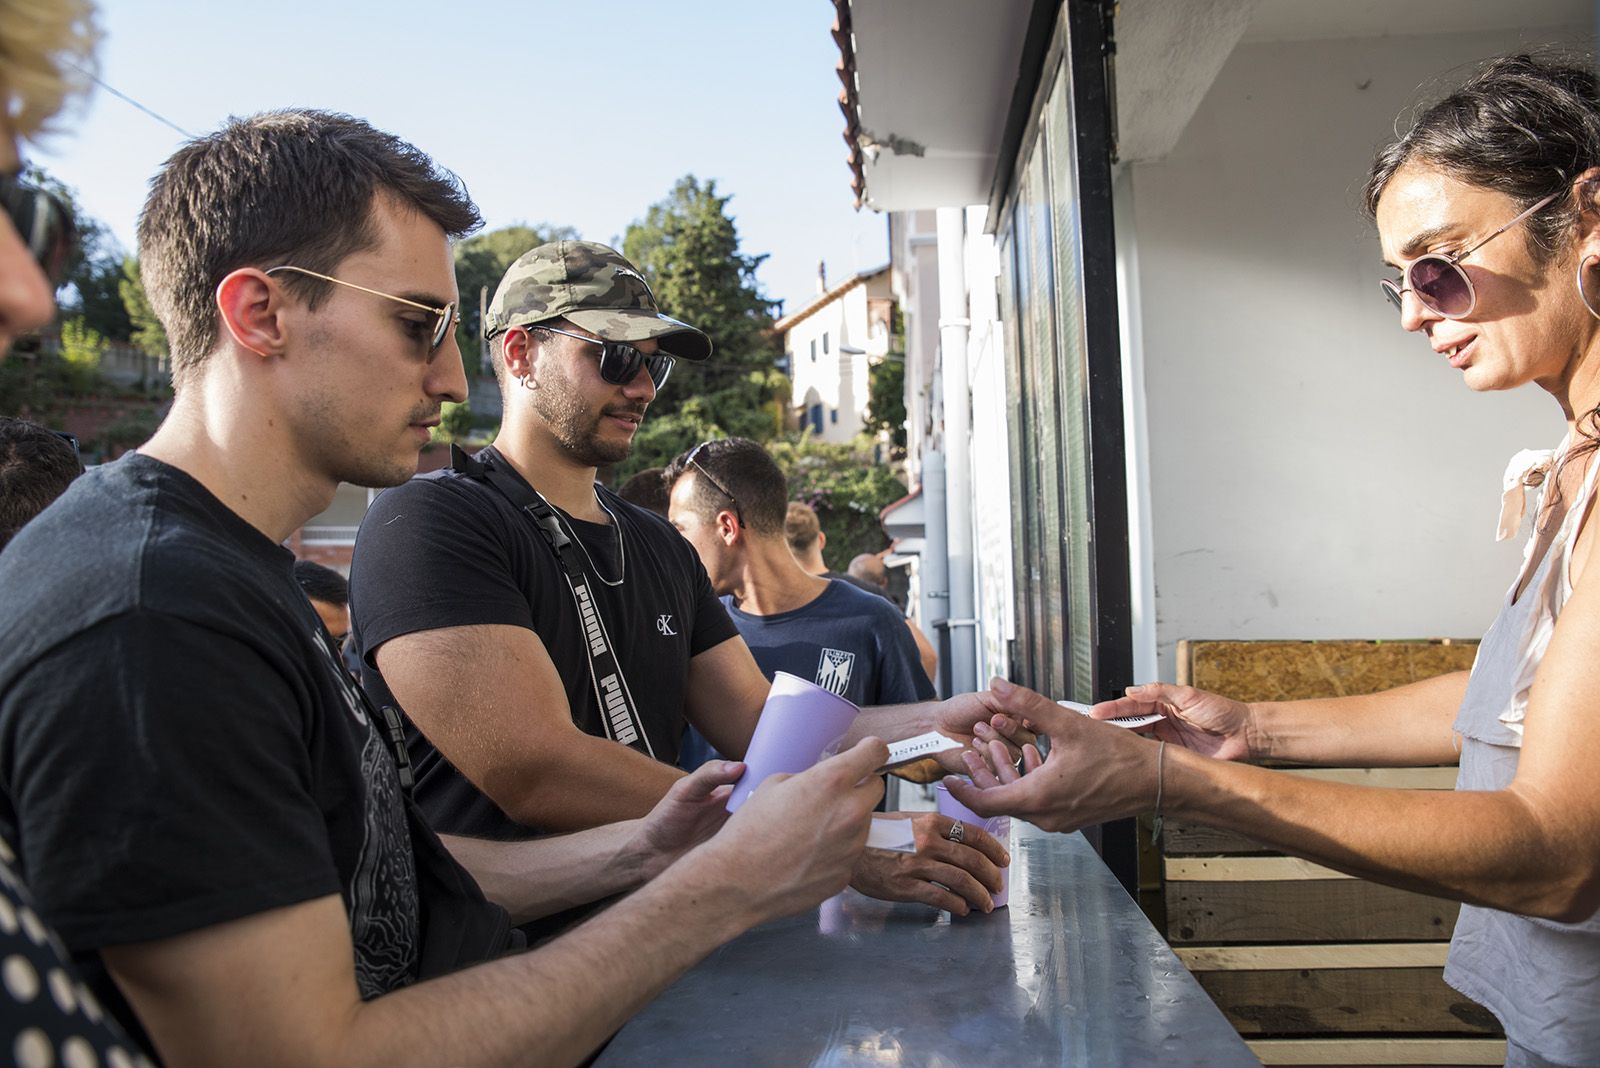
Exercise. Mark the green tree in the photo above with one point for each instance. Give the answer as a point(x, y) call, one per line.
point(481, 262)
point(81, 349)
point(455, 423)
point(687, 246)
point(94, 269)
point(147, 333)
point(846, 487)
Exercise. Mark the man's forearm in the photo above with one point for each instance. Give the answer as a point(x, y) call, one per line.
point(582, 782)
point(541, 876)
point(556, 1004)
point(892, 723)
point(1405, 727)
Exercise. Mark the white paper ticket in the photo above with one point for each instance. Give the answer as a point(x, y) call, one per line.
point(923, 745)
point(897, 835)
point(1120, 721)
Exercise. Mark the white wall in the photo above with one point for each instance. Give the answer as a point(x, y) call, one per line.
point(1313, 471)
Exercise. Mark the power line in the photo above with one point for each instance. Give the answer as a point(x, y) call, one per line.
point(125, 97)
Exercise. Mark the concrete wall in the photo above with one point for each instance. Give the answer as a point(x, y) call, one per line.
point(1313, 472)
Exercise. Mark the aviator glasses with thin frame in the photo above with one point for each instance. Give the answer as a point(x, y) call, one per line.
point(620, 361)
point(692, 461)
point(446, 316)
point(1441, 285)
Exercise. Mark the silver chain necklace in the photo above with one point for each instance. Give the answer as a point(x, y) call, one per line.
point(622, 547)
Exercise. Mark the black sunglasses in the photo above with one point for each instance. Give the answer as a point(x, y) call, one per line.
point(692, 461)
point(43, 222)
point(620, 361)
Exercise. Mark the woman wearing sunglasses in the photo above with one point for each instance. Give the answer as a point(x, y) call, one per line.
point(1487, 211)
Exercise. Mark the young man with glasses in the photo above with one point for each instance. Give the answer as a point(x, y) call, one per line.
point(546, 640)
point(207, 809)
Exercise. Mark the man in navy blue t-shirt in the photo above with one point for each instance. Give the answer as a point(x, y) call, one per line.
point(728, 498)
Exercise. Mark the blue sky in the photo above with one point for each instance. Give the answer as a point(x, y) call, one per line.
point(580, 113)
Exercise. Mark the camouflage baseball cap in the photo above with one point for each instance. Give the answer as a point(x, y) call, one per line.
point(594, 287)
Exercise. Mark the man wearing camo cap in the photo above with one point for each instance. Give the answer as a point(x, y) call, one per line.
point(546, 639)
point(454, 590)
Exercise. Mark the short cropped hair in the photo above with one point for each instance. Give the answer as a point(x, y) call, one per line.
point(801, 528)
point(647, 489)
point(46, 54)
point(282, 187)
point(321, 583)
point(36, 467)
point(745, 470)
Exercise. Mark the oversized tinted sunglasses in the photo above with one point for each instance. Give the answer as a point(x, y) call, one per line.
point(693, 460)
point(43, 222)
point(1440, 284)
point(445, 316)
point(620, 361)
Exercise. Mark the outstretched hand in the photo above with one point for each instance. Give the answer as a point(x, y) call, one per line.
point(1095, 772)
point(972, 718)
point(956, 876)
point(797, 838)
point(692, 811)
point(1195, 719)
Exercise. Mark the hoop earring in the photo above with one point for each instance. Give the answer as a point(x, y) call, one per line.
point(1581, 294)
point(529, 383)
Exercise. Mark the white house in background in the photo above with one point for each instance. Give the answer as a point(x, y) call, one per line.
point(829, 344)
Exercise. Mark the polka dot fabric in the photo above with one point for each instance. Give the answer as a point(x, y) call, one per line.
point(48, 1018)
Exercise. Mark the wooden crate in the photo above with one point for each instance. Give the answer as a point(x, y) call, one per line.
point(1313, 966)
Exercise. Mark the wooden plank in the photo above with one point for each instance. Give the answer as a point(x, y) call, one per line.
point(1289, 670)
point(1246, 869)
point(1181, 839)
point(1335, 955)
point(1331, 910)
point(1315, 1002)
point(1391, 1051)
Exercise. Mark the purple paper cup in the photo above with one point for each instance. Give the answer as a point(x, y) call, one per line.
point(998, 827)
point(799, 724)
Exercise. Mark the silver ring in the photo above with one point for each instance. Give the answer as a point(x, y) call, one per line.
point(957, 833)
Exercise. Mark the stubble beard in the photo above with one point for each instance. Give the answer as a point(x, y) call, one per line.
point(575, 428)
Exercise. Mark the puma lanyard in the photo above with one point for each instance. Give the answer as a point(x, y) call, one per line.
point(618, 713)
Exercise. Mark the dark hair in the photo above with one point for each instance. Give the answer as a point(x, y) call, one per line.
point(322, 583)
point(750, 475)
point(801, 527)
point(36, 467)
point(281, 187)
point(1523, 125)
point(1527, 127)
point(647, 489)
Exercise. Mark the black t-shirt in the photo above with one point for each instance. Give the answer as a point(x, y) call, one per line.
point(178, 746)
point(447, 550)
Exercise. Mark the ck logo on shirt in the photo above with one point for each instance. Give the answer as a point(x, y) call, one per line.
point(833, 670)
point(664, 625)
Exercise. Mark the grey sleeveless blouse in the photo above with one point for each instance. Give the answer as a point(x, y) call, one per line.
point(1541, 978)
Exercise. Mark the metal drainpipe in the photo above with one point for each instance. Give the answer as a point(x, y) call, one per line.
point(934, 567)
point(954, 326)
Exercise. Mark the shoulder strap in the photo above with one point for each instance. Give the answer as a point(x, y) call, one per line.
point(617, 710)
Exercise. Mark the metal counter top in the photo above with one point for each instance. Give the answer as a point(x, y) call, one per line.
point(1070, 974)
